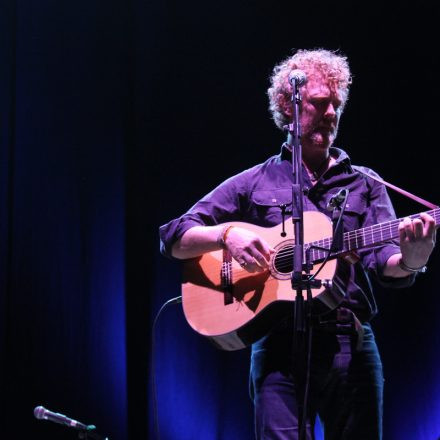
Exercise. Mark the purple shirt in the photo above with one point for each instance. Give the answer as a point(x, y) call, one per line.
point(254, 196)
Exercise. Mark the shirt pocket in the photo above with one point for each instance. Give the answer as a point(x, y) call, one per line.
point(265, 205)
point(354, 212)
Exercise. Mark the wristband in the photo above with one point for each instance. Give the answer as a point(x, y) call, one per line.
point(221, 240)
point(408, 269)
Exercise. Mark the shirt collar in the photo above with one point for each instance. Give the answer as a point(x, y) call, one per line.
point(340, 155)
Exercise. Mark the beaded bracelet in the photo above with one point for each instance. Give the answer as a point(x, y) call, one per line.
point(221, 240)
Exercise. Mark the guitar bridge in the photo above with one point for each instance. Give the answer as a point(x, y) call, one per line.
point(226, 278)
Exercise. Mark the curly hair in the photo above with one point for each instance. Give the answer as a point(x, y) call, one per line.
point(330, 65)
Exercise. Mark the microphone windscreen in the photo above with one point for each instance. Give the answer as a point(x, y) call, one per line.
point(39, 412)
point(299, 76)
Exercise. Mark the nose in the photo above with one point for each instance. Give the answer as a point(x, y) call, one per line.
point(330, 111)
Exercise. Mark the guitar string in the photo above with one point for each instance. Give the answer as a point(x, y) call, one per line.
point(283, 257)
point(386, 229)
point(390, 224)
point(287, 252)
point(281, 263)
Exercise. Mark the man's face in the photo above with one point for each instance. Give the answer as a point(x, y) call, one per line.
point(321, 110)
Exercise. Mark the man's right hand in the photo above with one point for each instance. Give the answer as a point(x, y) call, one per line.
point(250, 251)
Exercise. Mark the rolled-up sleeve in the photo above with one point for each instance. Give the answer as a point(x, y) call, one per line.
point(219, 206)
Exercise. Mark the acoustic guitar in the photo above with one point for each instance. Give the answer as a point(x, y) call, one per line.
point(234, 308)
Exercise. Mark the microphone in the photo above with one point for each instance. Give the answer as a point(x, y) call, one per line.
point(336, 200)
point(42, 413)
point(297, 76)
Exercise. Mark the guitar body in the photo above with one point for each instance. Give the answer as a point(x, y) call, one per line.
point(233, 307)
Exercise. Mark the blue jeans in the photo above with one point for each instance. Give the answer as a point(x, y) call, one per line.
point(346, 387)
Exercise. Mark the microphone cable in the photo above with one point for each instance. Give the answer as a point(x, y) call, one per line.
point(176, 300)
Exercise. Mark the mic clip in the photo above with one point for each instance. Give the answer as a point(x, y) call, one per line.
point(337, 204)
point(336, 201)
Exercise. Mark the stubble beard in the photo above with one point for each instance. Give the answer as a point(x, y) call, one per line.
point(319, 141)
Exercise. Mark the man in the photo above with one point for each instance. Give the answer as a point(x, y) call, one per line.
point(346, 373)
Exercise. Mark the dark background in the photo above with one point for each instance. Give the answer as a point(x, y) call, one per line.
point(117, 116)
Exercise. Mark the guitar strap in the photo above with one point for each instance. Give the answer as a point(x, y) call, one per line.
point(399, 190)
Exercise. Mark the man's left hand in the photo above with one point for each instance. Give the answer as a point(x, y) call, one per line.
point(417, 240)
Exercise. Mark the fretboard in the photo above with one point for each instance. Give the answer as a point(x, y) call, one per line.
point(366, 237)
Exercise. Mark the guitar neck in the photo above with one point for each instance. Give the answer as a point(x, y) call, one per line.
point(367, 237)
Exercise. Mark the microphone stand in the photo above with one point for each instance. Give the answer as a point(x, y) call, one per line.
point(294, 142)
point(301, 278)
point(299, 282)
point(90, 433)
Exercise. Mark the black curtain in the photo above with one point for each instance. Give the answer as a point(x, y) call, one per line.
point(64, 123)
point(117, 116)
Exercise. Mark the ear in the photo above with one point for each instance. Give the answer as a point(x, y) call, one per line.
point(285, 104)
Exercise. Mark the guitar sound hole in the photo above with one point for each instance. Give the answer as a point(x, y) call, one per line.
point(283, 260)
